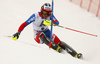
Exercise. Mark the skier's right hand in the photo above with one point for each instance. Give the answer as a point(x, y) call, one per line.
point(16, 36)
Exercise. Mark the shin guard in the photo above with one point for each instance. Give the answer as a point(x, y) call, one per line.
point(46, 40)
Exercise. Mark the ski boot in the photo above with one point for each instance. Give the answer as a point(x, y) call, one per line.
point(59, 49)
point(70, 50)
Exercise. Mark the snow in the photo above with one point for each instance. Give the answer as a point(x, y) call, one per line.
point(26, 51)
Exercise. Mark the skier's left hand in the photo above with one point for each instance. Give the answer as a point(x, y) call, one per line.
point(47, 22)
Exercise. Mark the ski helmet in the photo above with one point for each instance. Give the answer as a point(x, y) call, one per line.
point(46, 9)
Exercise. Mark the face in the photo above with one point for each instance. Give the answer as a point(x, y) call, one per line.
point(46, 14)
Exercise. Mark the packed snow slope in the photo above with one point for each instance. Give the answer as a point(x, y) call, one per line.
point(26, 51)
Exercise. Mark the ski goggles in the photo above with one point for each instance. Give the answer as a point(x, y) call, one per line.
point(46, 12)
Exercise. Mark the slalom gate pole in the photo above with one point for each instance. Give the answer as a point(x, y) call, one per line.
point(77, 31)
point(51, 26)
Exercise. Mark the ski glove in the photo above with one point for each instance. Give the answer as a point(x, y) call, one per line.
point(47, 22)
point(16, 36)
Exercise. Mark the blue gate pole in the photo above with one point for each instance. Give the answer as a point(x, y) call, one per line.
point(51, 26)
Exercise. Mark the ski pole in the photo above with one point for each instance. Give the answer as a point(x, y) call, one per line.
point(77, 31)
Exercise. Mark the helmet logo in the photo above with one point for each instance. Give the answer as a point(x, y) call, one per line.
point(48, 8)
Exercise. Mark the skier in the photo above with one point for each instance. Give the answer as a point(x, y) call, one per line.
point(41, 21)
